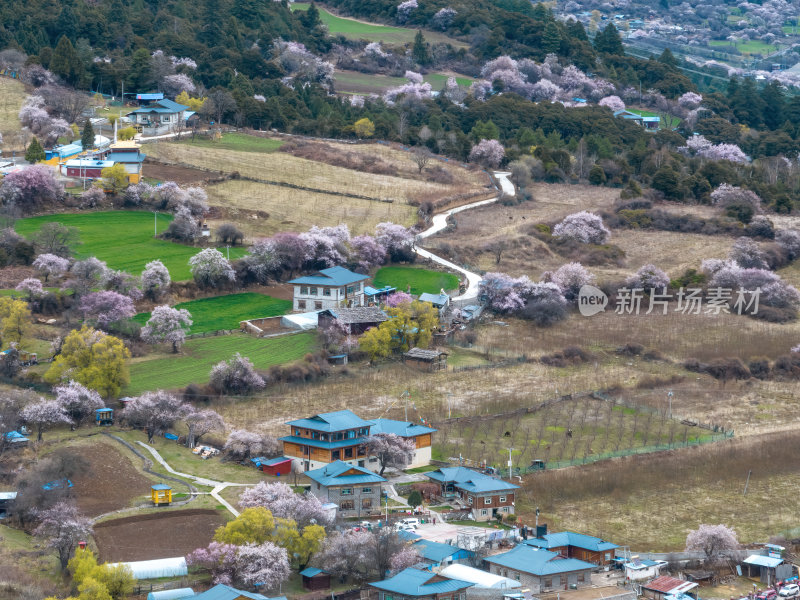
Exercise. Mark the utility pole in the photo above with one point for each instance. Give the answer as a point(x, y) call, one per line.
point(449, 407)
point(510, 450)
point(405, 395)
point(669, 397)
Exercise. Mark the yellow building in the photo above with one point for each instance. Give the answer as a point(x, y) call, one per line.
point(161, 494)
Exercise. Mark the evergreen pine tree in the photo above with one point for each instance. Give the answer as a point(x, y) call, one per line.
point(65, 61)
point(668, 58)
point(551, 39)
point(609, 41)
point(311, 17)
point(87, 137)
point(35, 152)
point(420, 50)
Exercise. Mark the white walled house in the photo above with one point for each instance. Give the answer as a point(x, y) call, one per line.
point(329, 288)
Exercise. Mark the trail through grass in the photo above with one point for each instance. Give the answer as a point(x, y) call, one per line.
point(193, 364)
point(225, 312)
point(420, 280)
point(124, 240)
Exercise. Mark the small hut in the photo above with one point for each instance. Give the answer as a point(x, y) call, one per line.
point(274, 466)
point(315, 579)
point(426, 360)
point(104, 416)
point(161, 493)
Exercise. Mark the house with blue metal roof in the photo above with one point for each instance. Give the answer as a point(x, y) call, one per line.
point(160, 116)
point(576, 545)
point(435, 554)
point(355, 490)
point(486, 496)
point(327, 437)
point(541, 570)
point(226, 592)
point(418, 584)
point(334, 287)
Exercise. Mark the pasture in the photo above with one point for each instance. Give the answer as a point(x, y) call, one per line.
point(419, 280)
point(124, 240)
point(225, 312)
point(364, 83)
point(12, 96)
point(234, 141)
point(193, 364)
point(748, 47)
point(371, 32)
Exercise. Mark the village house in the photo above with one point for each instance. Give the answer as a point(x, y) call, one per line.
point(541, 570)
point(328, 437)
point(643, 569)
point(328, 288)
point(576, 545)
point(421, 585)
point(440, 301)
point(661, 587)
point(356, 491)
point(355, 320)
point(426, 360)
point(649, 123)
point(160, 116)
point(487, 497)
point(129, 155)
point(435, 555)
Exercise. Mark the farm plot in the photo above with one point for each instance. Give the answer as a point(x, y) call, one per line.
point(156, 535)
point(235, 141)
point(124, 240)
point(225, 312)
point(12, 95)
point(170, 371)
point(365, 83)
point(419, 280)
point(570, 430)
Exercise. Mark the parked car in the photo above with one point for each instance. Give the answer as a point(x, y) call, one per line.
point(767, 595)
point(413, 523)
point(789, 590)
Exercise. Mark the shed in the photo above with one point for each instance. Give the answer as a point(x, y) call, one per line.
point(427, 360)
point(175, 594)
point(377, 295)
point(661, 587)
point(161, 493)
point(273, 466)
point(357, 320)
point(155, 569)
point(768, 569)
point(104, 416)
point(440, 301)
point(315, 579)
point(481, 579)
point(6, 498)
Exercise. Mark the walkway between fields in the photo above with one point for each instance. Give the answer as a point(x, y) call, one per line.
point(439, 223)
point(217, 486)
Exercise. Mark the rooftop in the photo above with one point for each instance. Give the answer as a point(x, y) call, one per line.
point(226, 592)
point(332, 276)
point(762, 561)
point(667, 584)
point(413, 582)
point(401, 428)
point(293, 439)
point(421, 354)
point(481, 579)
point(339, 420)
point(435, 299)
point(570, 538)
point(359, 314)
point(469, 480)
point(537, 562)
point(341, 473)
point(311, 572)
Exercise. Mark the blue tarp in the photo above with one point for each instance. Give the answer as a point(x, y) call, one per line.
point(171, 436)
point(57, 484)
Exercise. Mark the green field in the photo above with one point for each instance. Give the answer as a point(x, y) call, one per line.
point(365, 83)
point(236, 141)
point(749, 47)
point(225, 312)
point(124, 240)
point(351, 28)
point(420, 280)
point(192, 365)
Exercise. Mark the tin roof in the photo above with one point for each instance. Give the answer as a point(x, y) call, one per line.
point(469, 480)
point(331, 421)
point(528, 559)
point(667, 584)
point(331, 276)
point(311, 572)
point(401, 428)
point(160, 486)
point(339, 473)
point(358, 314)
point(413, 582)
point(763, 561)
point(570, 538)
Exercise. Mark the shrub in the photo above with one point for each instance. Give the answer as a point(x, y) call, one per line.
point(584, 227)
point(236, 377)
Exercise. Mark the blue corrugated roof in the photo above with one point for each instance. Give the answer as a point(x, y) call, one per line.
point(173, 106)
point(332, 421)
point(160, 486)
point(126, 157)
point(311, 571)
point(226, 592)
point(413, 582)
point(98, 410)
point(175, 594)
point(470, 480)
point(435, 551)
point(441, 299)
point(570, 538)
point(150, 96)
point(334, 474)
point(763, 561)
point(401, 428)
point(371, 291)
point(331, 276)
point(537, 562)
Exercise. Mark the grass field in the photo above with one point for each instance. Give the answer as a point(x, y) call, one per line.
point(420, 280)
point(364, 83)
point(371, 32)
point(749, 47)
point(235, 141)
point(225, 312)
point(12, 95)
point(192, 365)
point(124, 239)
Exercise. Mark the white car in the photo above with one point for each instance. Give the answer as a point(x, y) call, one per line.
point(789, 590)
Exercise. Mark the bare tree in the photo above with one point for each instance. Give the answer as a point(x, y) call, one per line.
point(421, 157)
point(64, 102)
point(218, 104)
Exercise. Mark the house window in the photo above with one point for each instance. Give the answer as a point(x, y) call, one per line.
point(350, 289)
point(548, 582)
point(301, 304)
point(326, 291)
point(315, 435)
point(346, 505)
point(317, 486)
point(484, 512)
point(366, 503)
point(317, 305)
point(336, 454)
point(362, 451)
point(303, 290)
point(581, 577)
point(341, 291)
point(469, 499)
point(502, 498)
point(312, 291)
point(505, 509)
point(608, 555)
point(487, 500)
point(323, 437)
point(348, 453)
point(516, 575)
point(346, 492)
point(366, 490)
point(297, 432)
point(338, 436)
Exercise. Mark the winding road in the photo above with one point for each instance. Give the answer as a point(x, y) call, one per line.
point(439, 223)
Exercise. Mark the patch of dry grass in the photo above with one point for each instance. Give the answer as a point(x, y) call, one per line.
point(12, 95)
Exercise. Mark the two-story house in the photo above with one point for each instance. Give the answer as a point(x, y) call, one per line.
point(576, 545)
point(486, 496)
point(416, 584)
point(340, 435)
point(356, 491)
point(540, 570)
point(329, 288)
point(160, 116)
